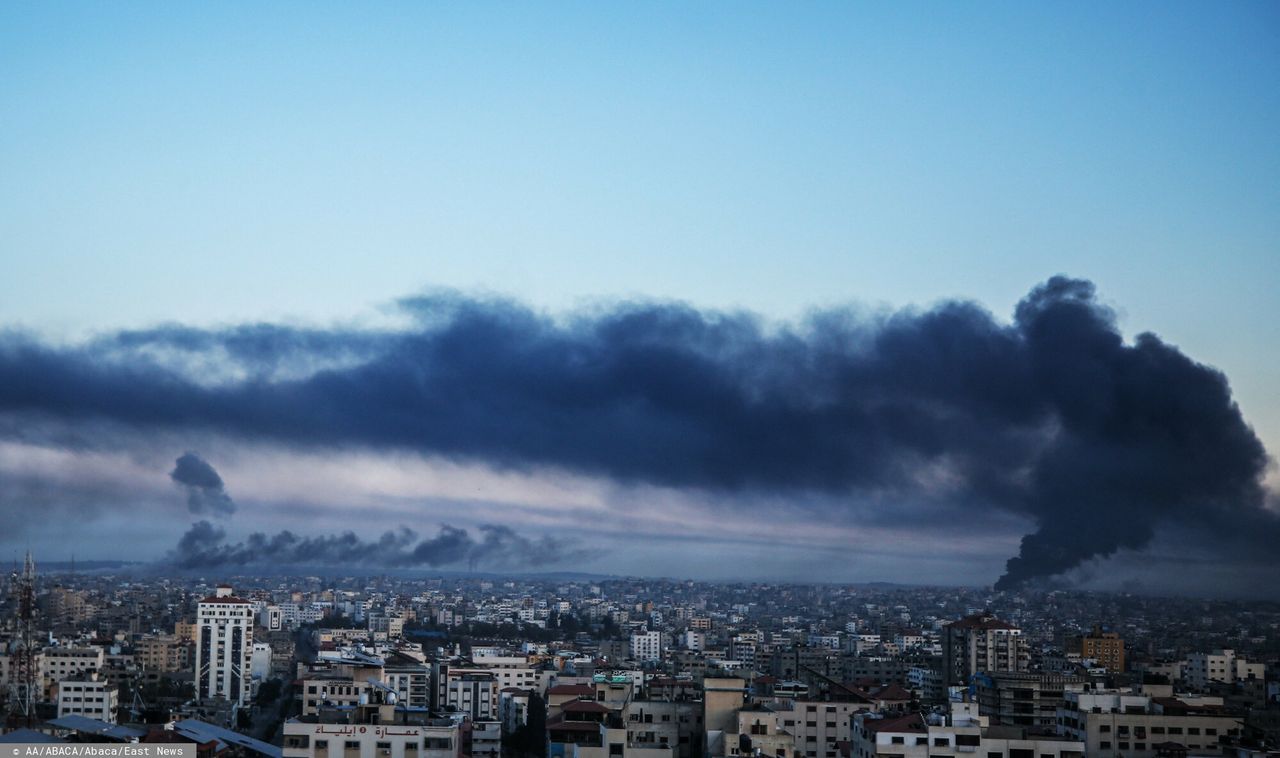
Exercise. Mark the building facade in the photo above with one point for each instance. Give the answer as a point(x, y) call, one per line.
point(224, 645)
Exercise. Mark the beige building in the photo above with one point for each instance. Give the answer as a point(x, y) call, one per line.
point(185, 631)
point(665, 723)
point(1107, 648)
point(1113, 723)
point(722, 698)
point(163, 652)
point(793, 729)
point(68, 607)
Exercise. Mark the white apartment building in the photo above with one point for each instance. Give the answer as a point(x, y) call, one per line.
point(88, 696)
point(472, 692)
point(310, 737)
point(963, 733)
point(695, 640)
point(1219, 666)
point(224, 645)
point(60, 663)
point(981, 643)
point(646, 646)
point(271, 618)
point(513, 671)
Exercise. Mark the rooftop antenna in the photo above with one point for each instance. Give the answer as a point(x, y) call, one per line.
point(22, 664)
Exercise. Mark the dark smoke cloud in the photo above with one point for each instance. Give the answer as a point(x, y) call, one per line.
point(205, 491)
point(204, 546)
point(1052, 417)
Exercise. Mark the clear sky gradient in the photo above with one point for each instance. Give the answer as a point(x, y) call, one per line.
point(214, 163)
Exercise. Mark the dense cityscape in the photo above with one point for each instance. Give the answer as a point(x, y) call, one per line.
point(833, 379)
point(581, 666)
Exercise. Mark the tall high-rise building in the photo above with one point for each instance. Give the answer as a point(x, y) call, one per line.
point(224, 645)
point(981, 643)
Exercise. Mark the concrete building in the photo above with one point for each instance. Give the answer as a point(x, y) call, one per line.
point(224, 644)
point(471, 691)
point(515, 671)
point(1107, 648)
point(647, 646)
point(665, 724)
point(1019, 698)
point(981, 643)
point(163, 652)
point(270, 618)
point(1112, 723)
point(513, 708)
point(1219, 666)
point(804, 728)
point(695, 640)
point(409, 678)
point(722, 698)
point(380, 728)
point(926, 683)
point(333, 690)
point(60, 663)
point(962, 733)
point(88, 696)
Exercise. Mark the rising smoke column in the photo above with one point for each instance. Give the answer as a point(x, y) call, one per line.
point(1144, 436)
point(1053, 416)
point(205, 546)
point(204, 488)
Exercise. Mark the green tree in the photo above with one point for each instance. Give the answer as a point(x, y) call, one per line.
point(530, 740)
point(269, 691)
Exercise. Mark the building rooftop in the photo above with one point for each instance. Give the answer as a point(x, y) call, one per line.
point(911, 722)
point(981, 621)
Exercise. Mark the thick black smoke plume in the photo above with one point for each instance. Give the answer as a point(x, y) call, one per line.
point(1053, 417)
point(204, 546)
point(205, 491)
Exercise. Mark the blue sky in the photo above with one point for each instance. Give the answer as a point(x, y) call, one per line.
point(311, 163)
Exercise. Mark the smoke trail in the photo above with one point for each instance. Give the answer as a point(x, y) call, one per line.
point(204, 546)
point(1053, 416)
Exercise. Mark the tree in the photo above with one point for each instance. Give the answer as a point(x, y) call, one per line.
point(530, 739)
point(269, 691)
